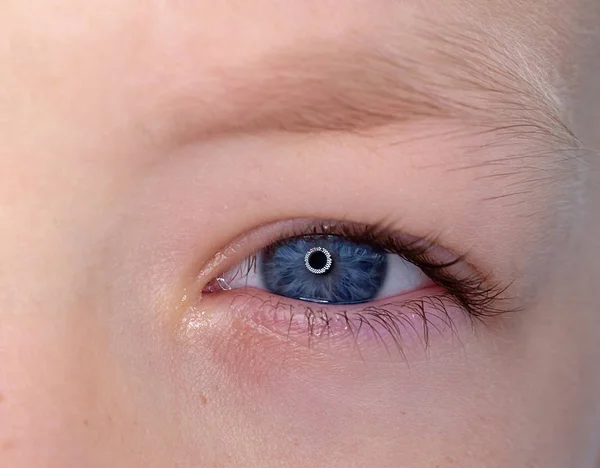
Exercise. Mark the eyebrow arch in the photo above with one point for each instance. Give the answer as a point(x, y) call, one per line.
point(456, 72)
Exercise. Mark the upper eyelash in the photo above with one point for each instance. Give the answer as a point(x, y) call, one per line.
point(477, 294)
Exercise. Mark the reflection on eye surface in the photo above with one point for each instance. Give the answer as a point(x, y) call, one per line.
point(330, 270)
point(345, 278)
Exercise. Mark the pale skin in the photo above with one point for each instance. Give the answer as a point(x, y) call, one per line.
point(139, 140)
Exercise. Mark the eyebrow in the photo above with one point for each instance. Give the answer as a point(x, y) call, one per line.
point(455, 73)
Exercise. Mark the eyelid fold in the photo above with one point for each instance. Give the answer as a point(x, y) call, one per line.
point(476, 292)
point(271, 233)
point(456, 293)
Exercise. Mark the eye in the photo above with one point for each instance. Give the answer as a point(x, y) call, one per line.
point(353, 283)
point(327, 269)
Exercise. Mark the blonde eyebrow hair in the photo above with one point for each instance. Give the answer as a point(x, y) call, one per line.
point(457, 73)
point(454, 74)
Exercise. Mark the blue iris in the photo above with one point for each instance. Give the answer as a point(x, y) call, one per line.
point(354, 274)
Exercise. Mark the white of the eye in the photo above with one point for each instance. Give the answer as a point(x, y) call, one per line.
point(402, 277)
point(244, 276)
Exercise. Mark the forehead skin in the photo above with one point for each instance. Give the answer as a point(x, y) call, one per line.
point(161, 54)
point(137, 137)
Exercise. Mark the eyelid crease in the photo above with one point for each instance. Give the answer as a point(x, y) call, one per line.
point(270, 233)
point(479, 295)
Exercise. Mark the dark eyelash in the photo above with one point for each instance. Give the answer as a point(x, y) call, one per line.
point(478, 295)
point(390, 321)
point(471, 292)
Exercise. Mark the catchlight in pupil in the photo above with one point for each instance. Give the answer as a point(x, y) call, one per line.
point(318, 260)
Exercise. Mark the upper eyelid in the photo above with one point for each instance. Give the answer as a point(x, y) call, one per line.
point(251, 243)
point(479, 295)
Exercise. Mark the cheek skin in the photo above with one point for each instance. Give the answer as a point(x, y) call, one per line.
point(264, 395)
point(102, 225)
point(324, 405)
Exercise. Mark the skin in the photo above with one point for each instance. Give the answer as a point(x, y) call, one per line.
point(129, 161)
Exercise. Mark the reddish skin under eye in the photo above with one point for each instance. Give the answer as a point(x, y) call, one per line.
point(394, 326)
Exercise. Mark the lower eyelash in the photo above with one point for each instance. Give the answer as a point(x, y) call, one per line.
point(460, 299)
point(478, 295)
point(393, 324)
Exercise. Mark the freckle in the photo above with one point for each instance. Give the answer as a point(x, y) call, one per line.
point(203, 399)
point(403, 413)
point(86, 423)
point(2, 398)
point(7, 445)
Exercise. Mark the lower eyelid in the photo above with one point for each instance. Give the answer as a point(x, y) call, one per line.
point(391, 326)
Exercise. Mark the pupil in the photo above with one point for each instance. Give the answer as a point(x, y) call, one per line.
point(317, 260)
